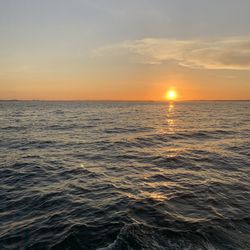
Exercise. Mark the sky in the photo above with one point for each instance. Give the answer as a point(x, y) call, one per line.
point(124, 50)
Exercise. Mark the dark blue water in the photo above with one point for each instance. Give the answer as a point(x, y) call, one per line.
point(96, 175)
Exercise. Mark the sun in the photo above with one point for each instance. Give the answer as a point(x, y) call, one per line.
point(171, 95)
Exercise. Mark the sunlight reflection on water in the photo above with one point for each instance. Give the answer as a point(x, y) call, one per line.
point(170, 119)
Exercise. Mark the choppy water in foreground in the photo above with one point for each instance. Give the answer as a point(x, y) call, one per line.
point(93, 175)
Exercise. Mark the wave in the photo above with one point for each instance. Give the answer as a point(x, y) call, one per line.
point(139, 236)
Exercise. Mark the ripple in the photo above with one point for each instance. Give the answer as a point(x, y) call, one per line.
point(90, 175)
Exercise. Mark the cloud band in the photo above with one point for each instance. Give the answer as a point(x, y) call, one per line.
point(227, 53)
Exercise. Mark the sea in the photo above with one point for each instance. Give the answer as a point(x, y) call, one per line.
point(125, 175)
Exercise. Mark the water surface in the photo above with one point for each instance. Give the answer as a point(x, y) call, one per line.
point(124, 175)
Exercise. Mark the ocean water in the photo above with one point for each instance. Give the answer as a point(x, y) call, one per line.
point(124, 175)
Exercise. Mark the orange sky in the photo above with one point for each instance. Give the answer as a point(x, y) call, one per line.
point(149, 83)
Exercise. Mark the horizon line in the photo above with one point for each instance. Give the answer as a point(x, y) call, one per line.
point(115, 100)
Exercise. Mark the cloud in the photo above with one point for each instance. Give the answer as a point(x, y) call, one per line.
point(227, 53)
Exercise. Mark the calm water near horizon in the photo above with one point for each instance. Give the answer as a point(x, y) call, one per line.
point(125, 175)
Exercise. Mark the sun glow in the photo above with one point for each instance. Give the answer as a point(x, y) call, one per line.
point(171, 95)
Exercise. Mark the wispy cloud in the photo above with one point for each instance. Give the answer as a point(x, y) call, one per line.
point(226, 53)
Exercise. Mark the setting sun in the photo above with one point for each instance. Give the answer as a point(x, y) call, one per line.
point(171, 95)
